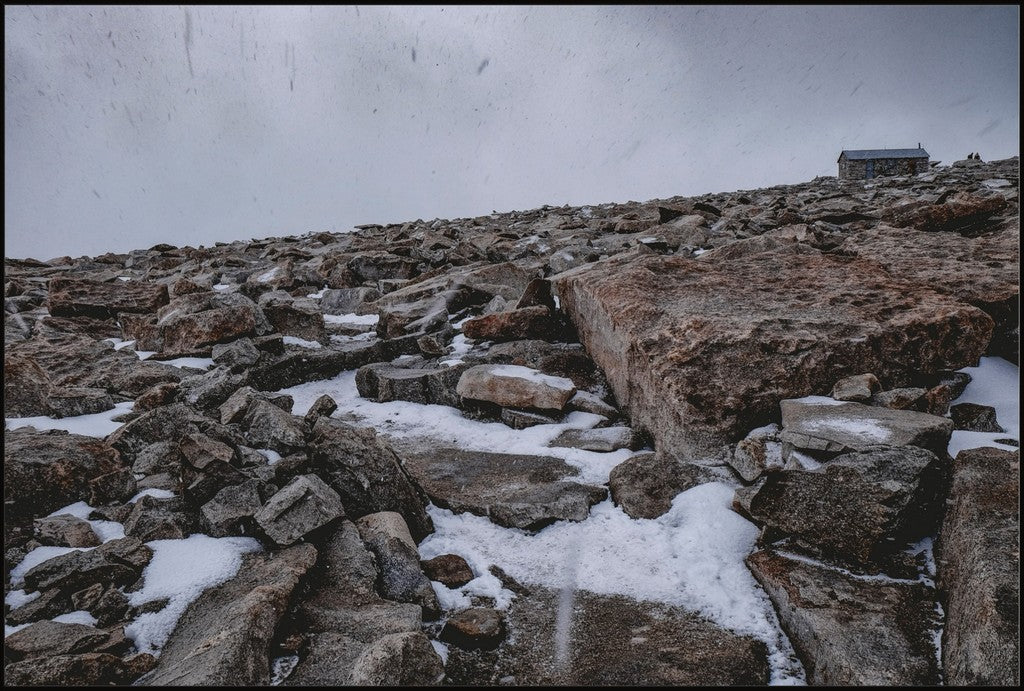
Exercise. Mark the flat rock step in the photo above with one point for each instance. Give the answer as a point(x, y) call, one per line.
point(527, 492)
point(825, 425)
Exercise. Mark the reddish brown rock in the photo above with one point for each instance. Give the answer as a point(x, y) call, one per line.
point(44, 471)
point(450, 569)
point(72, 360)
point(699, 352)
point(26, 387)
point(71, 297)
point(960, 215)
point(645, 485)
point(525, 322)
point(478, 627)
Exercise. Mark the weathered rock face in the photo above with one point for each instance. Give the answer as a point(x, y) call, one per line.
point(961, 215)
point(70, 297)
point(849, 630)
point(44, 471)
point(857, 507)
point(302, 506)
point(196, 321)
point(398, 659)
point(604, 439)
point(526, 322)
point(87, 669)
point(975, 417)
point(118, 562)
point(295, 317)
point(527, 492)
point(612, 641)
point(222, 638)
point(698, 352)
point(71, 360)
point(367, 474)
point(983, 271)
point(64, 530)
point(979, 570)
point(26, 388)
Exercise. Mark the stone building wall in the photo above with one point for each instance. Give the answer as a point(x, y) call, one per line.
point(857, 169)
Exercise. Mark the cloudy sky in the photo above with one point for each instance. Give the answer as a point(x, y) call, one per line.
point(129, 126)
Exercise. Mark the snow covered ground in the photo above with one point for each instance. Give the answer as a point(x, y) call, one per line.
point(180, 571)
point(691, 557)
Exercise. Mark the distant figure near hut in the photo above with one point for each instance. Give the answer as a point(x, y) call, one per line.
point(865, 164)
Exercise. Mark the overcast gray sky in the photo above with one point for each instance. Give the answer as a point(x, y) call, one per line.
point(129, 126)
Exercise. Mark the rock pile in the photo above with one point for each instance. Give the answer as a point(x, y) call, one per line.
point(798, 343)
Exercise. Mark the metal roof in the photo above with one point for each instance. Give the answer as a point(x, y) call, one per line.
point(863, 154)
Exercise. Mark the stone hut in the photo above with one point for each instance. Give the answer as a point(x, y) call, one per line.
point(864, 164)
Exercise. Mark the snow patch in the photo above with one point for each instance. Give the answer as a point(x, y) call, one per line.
point(93, 425)
point(180, 571)
point(17, 598)
point(529, 374)
point(155, 493)
point(272, 456)
point(301, 342)
point(691, 557)
point(994, 382)
point(818, 400)
point(868, 430)
point(351, 318)
point(268, 275)
point(77, 617)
